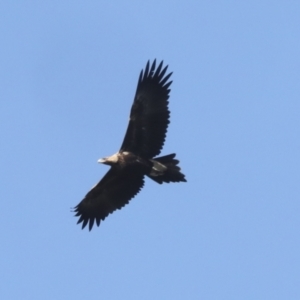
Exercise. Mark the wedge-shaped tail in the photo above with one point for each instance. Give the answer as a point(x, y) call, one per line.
point(166, 169)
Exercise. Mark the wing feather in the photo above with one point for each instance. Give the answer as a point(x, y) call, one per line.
point(114, 191)
point(149, 116)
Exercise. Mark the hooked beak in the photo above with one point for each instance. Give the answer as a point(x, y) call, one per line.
point(101, 160)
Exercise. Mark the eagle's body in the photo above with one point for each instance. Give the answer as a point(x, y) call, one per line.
point(144, 139)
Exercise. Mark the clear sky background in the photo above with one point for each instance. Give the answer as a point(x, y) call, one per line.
point(68, 74)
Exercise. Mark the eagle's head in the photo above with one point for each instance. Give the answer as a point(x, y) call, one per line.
point(110, 160)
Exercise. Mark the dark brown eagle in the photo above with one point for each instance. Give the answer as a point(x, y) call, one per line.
point(144, 139)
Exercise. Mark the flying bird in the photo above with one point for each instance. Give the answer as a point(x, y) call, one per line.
point(143, 141)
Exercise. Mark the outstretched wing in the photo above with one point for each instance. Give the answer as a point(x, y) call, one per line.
point(149, 116)
point(114, 191)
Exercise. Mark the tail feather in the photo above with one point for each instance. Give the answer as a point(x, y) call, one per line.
point(168, 169)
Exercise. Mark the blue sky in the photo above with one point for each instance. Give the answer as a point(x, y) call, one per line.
point(68, 73)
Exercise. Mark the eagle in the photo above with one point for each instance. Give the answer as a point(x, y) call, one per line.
point(143, 141)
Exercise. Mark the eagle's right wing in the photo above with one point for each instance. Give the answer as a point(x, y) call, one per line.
point(113, 191)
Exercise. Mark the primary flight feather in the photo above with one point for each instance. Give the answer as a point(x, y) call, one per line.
point(144, 139)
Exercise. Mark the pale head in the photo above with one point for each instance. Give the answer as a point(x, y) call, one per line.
point(110, 160)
